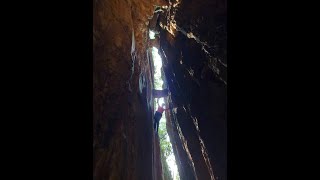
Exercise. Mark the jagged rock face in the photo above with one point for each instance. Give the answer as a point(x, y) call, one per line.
point(185, 167)
point(123, 139)
point(196, 72)
point(207, 20)
point(122, 122)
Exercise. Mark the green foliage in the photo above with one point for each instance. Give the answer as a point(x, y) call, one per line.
point(165, 145)
point(158, 83)
point(166, 171)
point(177, 176)
point(165, 148)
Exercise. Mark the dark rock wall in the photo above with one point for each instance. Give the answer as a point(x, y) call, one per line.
point(196, 72)
point(184, 164)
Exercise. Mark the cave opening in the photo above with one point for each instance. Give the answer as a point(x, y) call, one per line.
point(168, 160)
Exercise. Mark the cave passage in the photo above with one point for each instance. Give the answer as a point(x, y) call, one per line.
point(171, 52)
point(167, 156)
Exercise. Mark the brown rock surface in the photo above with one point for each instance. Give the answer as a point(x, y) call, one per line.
point(125, 146)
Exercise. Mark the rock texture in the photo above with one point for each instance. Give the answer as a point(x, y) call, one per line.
point(193, 42)
point(193, 47)
point(122, 85)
